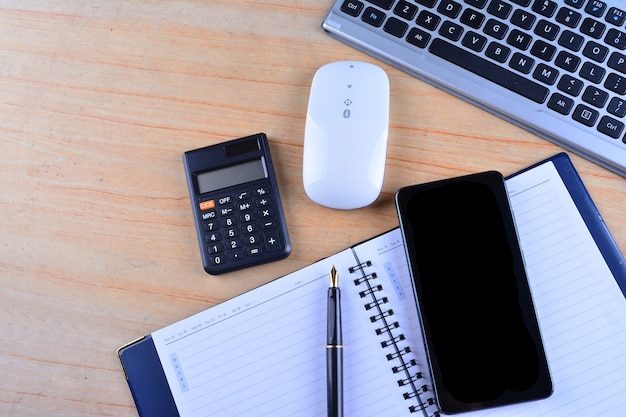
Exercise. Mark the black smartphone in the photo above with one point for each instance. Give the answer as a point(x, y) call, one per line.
point(480, 328)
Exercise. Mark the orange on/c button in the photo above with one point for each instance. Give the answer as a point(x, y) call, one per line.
point(207, 205)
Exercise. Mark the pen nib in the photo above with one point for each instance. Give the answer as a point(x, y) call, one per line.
point(334, 278)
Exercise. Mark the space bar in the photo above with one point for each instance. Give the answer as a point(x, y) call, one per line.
point(489, 70)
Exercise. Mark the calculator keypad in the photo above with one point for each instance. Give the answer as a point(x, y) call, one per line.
point(241, 225)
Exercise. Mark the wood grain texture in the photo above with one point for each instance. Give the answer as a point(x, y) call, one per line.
point(98, 101)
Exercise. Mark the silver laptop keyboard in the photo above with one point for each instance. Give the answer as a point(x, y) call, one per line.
point(556, 68)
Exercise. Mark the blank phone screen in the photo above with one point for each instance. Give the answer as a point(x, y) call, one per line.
point(480, 326)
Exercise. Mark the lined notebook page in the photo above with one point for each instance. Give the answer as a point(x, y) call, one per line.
point(581, 310)
point(264, 353)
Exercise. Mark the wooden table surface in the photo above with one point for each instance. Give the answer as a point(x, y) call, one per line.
point(98, 101)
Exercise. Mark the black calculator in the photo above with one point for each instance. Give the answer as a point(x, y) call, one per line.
point(236, 205)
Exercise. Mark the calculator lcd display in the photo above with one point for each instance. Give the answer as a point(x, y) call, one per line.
point(233, 175)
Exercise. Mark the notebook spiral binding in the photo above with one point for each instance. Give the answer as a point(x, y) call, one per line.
point(390, 332)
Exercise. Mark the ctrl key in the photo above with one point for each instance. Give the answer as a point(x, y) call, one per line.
point(611, 127)
point(272, 241)
point(352, 7)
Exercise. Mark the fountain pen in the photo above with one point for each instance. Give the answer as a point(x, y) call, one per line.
point(334, 349)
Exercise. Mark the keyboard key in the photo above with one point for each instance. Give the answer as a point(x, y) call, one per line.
point(500, 9)
point(497, 52)
point(545, 7)
point(479, 4)
point(568, 17)
point(616, 16)
point(474, 41)
point(592, 28)
point(575, 3)
point(567, 61)
point(428, 20)
point(611, 127)
point(418, 38)
point(451, 30)
point(616, 38)
point(585, 115)
point(427, 3)
point(596, 8)
point(617, 61)
point(385, 4)
point(616, 83)
point(523, 19)
point(405, 10)
point(545, 74)
point(352, 7)
point(592, 72)
point(595, 96)
point(373, 16)
point(595, 51)
point(521, 63)
point(617, 107)
point(489, 70)
point(570, 85)
point(547, 30)
point(561, 104)
point(449, 8)
point(396, 27)
point(572, 41)
point(495, 28)
point(543, 50)
point(472, 18)
point(519, 39)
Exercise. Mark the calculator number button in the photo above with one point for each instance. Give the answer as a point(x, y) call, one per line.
point(211, 226)
point(217, 260)
point(250, 228)
point(216, 248)
point(213, 237)
point(229, 222)
point(252, 240)
point(230, 233)
point(247, 218)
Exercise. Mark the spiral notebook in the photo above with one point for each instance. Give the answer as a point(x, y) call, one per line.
point(263, 353)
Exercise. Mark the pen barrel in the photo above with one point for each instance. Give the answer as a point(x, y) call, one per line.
point(334, 355)
point(334, 370)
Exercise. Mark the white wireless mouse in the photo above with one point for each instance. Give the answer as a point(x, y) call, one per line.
point(345, 137)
